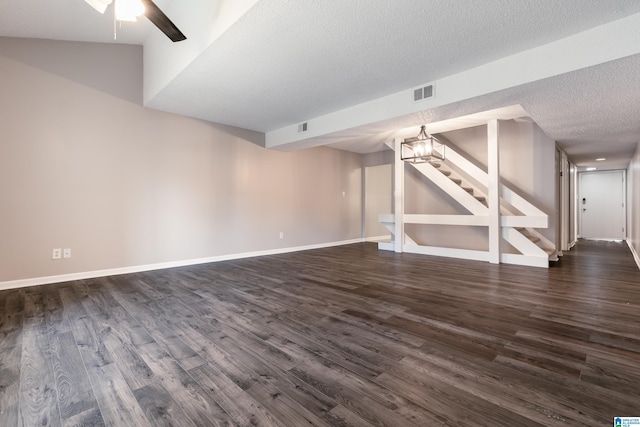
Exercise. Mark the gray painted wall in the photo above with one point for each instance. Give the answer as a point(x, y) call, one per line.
point(378, 193)
point(84, 166)
point(633, 204)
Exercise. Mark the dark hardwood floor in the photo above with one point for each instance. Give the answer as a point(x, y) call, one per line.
point(345, 336)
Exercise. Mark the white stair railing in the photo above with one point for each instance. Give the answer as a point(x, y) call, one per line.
point(517, 228)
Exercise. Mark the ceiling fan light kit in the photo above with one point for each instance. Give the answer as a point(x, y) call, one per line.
point(129, 10)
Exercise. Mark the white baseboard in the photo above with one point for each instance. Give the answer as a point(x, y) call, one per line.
point(46, 280)
point(378, 238)
point(469, 254)
point(634, 253)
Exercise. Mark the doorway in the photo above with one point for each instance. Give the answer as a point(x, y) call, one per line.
point(602, 205)
point(377, 200)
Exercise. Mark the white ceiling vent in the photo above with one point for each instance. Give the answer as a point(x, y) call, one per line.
point(424, 92)
point(302, 127)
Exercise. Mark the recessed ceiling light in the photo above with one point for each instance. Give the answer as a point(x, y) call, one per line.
point(599, 159)
point(591, 169)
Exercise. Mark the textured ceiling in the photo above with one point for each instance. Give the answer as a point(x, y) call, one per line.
point(592, 113)
point(284, 62)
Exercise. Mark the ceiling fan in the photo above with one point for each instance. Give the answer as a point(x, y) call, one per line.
point(128, 10)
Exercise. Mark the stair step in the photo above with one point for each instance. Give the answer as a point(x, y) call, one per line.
point(534, 239)
point(444, 172)
point(549, 251)
point(480, 198)
point(435, 165)
point(456, 180)
point(468, 190)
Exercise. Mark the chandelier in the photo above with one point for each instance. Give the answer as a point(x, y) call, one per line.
point(422, 148)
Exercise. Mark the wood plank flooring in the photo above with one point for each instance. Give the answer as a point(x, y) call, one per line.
point(345, 336)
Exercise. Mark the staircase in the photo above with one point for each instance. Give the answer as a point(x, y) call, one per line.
point(468, 185)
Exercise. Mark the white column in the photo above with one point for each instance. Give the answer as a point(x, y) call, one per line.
point(398, 197)
point(493, 196)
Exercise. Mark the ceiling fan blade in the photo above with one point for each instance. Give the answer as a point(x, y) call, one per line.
point(99, 5)
point(160, 20)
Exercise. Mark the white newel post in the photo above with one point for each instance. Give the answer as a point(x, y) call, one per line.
point(493, 199)
point(398, 197)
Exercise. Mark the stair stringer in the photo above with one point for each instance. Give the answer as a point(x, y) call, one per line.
point(522, 243)
point(510, 219)
point(454, 190)
point(506, 194)
point(511, 198)
point(531, 253)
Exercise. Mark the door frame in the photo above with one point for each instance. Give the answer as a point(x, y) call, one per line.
point(624, 200)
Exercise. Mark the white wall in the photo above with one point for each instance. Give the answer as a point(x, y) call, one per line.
point(573, 204)
point(84, 166)
point(633, 205)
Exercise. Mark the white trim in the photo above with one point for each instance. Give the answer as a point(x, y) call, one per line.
point(521, 204)
point(387, 246)
point(387, 219)
point(454, 190)
point(526, 260)
point(474, 255)
point(624, 189)
point(528, 221)
point(522, 244)
point(636, 257)
point(46, 280)
point(447, 252)
point(434, 219)
point(564, 201)
point(506, 193)
point(382, 238)
point(493, 189)
point(544, 243)
point(398, 196)
point(474, 220)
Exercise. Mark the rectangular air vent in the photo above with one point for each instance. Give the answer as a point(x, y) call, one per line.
point(424, 92)
point(302, 127)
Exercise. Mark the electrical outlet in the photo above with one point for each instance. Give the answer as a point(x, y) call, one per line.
point(66, 253)
point(282, 234)
point(56, 254)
